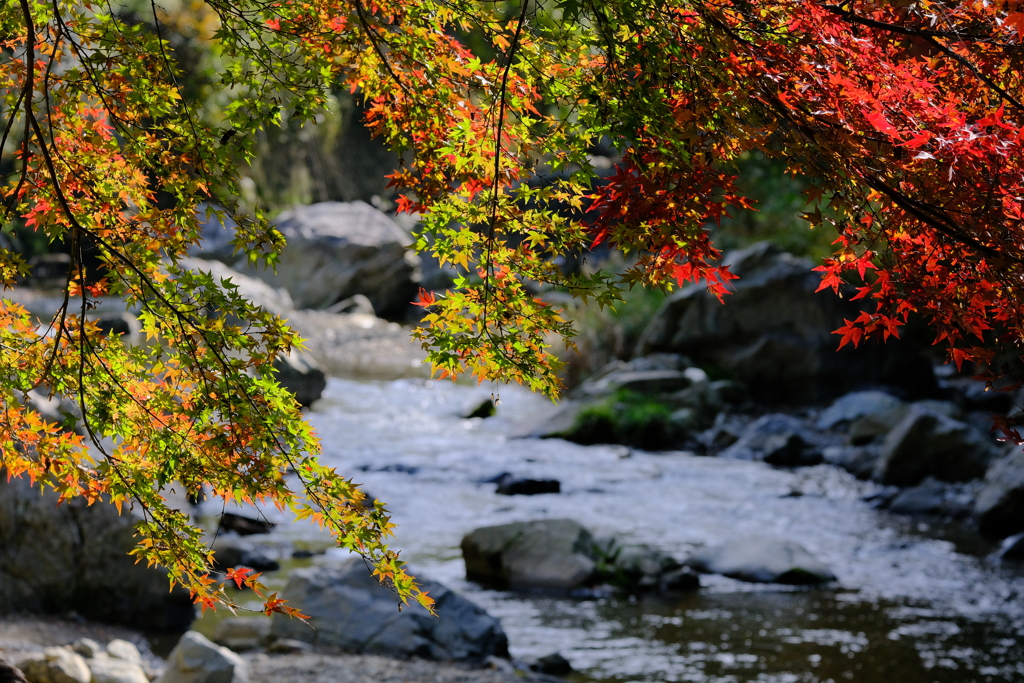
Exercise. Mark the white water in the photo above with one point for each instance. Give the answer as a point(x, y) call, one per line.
point(907, 607)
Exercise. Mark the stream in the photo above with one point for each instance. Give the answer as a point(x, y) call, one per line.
point(916, 600)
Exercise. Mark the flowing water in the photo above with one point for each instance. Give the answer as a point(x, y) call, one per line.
point(915, 601)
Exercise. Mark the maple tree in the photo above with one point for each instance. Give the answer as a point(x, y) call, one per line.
point(904, 114)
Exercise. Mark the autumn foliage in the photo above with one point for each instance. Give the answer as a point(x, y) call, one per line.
point(905, 115)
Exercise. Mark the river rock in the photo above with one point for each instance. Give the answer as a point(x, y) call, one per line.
point(123, 325)
point(231, 550)
point(681, 580)
point(926, 498)
point(857, 460)
point(196, 660)
point(87, 647)
point(509, 485)
point(553, 664)
point(277, 300)
point(762, 560)
point(857, 404)
point(350, 610)
point(75, 558)
point(639, 568)
point(999, 506)
point(56, 665)
point(1012, 548)
point(777, 439)
point(253, 522)
point(242, 633)
point(774, 333)
point(642, 381)
point(925, 443)
point(300, 374)
point(124, 650)
point(981, 395)
point(550, 554)
point(483, 410)
point(336, 250)
point(216, 235)
point(287, 646)
point(106, 668)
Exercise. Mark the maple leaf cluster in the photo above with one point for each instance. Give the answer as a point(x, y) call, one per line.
point(905, 116)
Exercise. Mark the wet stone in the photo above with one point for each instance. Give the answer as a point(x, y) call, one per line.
point(511, 486)
point(762, 560)
point(553, 664)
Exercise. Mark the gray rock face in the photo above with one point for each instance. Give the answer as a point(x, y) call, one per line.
point(550, 554)
point(762, 560)
point(928, 444)
point(777, 439)
point(999, 506)
point(775, 333)
point(336, 250)
point(75, 557)
point(350, 610)
point(196, 660)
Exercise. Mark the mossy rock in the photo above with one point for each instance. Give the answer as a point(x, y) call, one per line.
point(626, 418)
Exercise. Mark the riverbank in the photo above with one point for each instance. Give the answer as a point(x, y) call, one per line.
point(24, 635)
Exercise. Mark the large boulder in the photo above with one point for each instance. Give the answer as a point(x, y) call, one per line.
point(196, 660)
point(999, 506)
point(336, 250)
point(775, 334)
point(926, 443)
point(549, 554)
point(777, 439)
point(762, 560)
point(349, 609)
point(561, 556)
point(276, 300)
point(75, 558)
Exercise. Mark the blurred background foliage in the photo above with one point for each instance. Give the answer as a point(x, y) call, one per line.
point(331, 158)
point(779, 202)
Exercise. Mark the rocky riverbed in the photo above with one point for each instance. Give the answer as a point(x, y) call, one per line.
point(844, 512)
point(26, 636)
point(916, 597)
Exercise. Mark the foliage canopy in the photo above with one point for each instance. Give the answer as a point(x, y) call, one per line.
point(906, 115)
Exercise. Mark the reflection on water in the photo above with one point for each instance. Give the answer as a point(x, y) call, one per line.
point(805, 635)
point(909, 605)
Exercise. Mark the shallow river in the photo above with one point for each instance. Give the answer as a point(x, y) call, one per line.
point(914, 602)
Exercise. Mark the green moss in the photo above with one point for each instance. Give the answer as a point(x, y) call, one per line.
point(626, 418)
